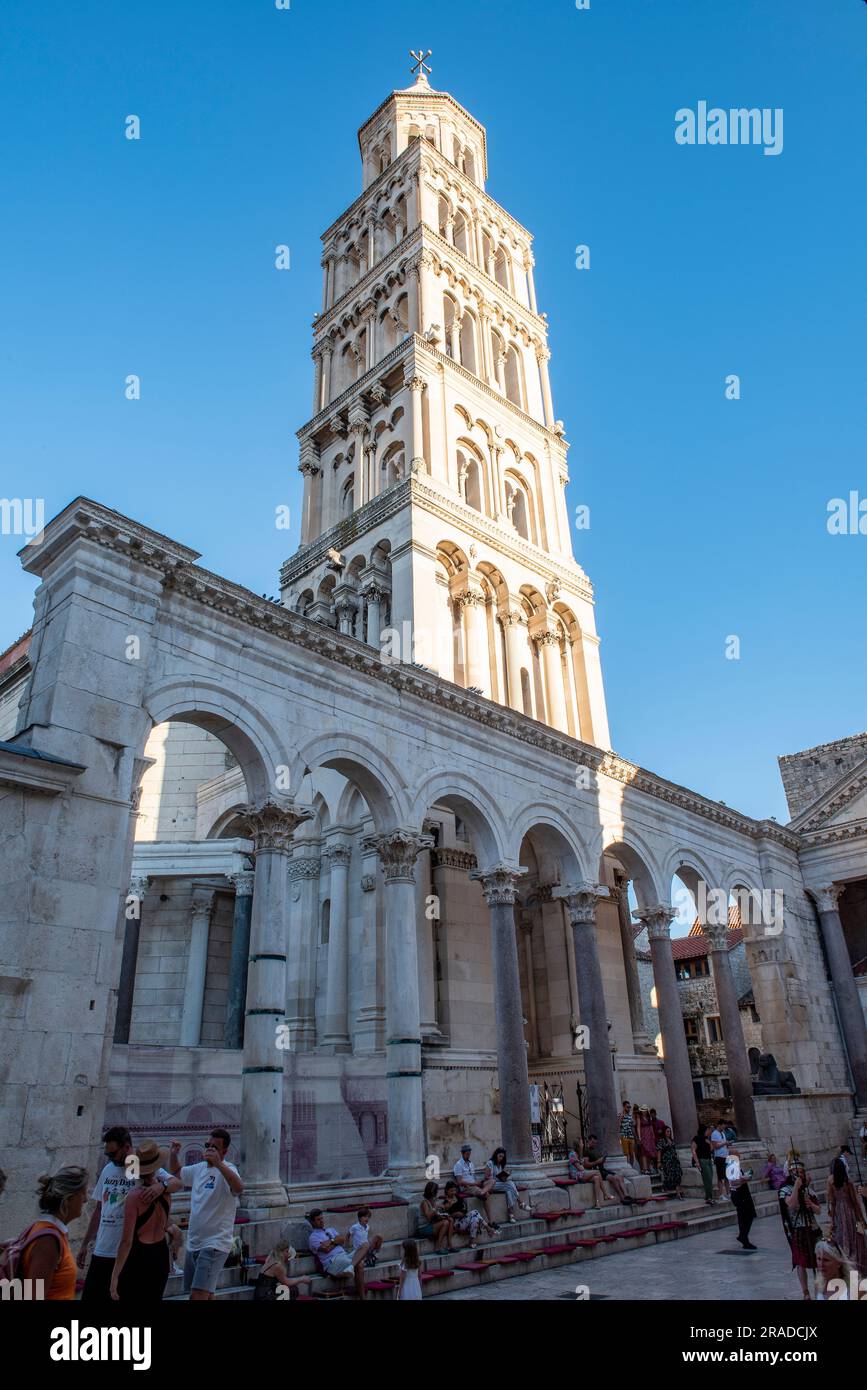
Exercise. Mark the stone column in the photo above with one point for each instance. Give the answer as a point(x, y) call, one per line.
point(549, 644)
point(397, 850)
point(336, 1035)
point(580, 900)
point(848, 1003)
point(425, 949)
point(240, 952)
point(740, 1078)
point(270, 826)
point(542, 357)
point(374, 595)
point(640, 1037)
point(500, 887)
point(197, 966)
point(678, 1075)
point(303, 939)
point(325, 395)
point(416, 385)
point(346, 607)
point(471, 601)
point(526, 930)
point(129, 961)
point(531, 284)
point(517, 655)
point(455, 339)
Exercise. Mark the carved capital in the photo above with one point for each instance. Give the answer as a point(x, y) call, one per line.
point(398, 851)
point(138, 886)
point(500, 883)
point(271, 826)
point(827, 897)
point(242, 882)
point(202, 903)
point(337, 854)
point(657, 920)
point(581, 899)
point(546, 638)
point(415, 383)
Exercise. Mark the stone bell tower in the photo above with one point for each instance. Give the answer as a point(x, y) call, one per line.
point(434, 519)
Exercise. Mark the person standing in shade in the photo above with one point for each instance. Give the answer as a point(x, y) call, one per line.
point(799, 1207)
point(702, 1158)
point(409, 1283)
point(114, 1184)
point(627, 1132)
point(646, 1141)
point(216, 1186)
point(44, 1248)
point(141, 1266)
point(719, 1145)
point(846, 1215)
point(672, 1172)
point(745, 1207)
point(774, 1173)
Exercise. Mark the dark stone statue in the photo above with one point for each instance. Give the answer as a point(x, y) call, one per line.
point(768, 1080)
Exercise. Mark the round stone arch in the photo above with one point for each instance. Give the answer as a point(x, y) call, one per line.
point(753, 903)
point(474, 805)
point(253, 740)
point(362, 764)
point(554, 836)
point(692, 869)
point(640, 864)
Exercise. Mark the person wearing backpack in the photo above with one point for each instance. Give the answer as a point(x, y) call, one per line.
point(42, 1251)
point(142, 1264)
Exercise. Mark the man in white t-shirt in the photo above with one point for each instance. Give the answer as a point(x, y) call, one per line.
point(472, 1186)
point(216, 1186)
point(114, 1184)
point(720, 1147)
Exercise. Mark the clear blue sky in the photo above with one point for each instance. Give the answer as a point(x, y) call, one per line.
point(708, 516)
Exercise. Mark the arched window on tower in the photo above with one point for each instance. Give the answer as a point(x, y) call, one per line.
point(501, 269)
point(451, 327)
point(468, 342)
point(471, 480)
point(444, 212)
point(347, 498)
point(514, 386)
point(470, 164)
point(461, 234)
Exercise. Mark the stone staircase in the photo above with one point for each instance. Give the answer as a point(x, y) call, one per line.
point(565, 1228)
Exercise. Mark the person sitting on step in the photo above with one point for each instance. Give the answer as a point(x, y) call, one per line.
point(594, 1159)
point(497, 1169)
point(327, 1245)
point(578, 1172)
point(471, 1186)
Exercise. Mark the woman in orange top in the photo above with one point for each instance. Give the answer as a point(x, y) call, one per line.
point(48, 1256)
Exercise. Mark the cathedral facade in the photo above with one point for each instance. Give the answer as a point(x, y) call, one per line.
point(358, 874)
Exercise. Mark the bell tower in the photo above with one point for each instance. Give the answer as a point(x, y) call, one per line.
point(434, 520)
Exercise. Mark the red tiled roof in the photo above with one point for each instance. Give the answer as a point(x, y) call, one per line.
point(20, 647)
point(697, 944)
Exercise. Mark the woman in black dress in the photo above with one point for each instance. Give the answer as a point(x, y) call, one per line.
point(275, 1275)
point(141, 1266)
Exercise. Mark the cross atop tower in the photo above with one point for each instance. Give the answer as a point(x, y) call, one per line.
point(420, 67)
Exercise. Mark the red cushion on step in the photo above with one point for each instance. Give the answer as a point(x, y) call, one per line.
point(380, 1284)
point(565, 1182)
point(588, 1241)
point(555, 1249)
point(435, 1274)
point(477, 1265)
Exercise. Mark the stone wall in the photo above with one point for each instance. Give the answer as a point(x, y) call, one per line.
point(810, 773)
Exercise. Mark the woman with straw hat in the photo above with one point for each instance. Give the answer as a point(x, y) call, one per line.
point(141, 1266)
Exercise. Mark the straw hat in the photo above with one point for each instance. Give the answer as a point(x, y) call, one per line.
point(150, 1157)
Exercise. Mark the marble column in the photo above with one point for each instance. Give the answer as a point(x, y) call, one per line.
point(129, 961)
point(240, 951)
point(270, 826)
point(581, 900)
point(517, 654)
point(303, 939)
point(373, 596)
point(641, 1040)
point(197, 967)
point(369, 1033)
point(678, 1075)
point(325, 395)
point(416, 385)
point(531, 285)
point(397, 850)
point(740, 1078)
point(336, 1035)
point(425, 948)
point(542, 357)
point(475, 635)
point(526, 930)
point(549, 644)
point(852, 1022)
point(500, 887)
point(346, 605)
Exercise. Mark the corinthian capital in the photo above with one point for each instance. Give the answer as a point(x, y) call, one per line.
point(657, 920)
point(499, 883)
point(827, 897)
point(398, 850)
point(581, 899)
point(271, 826)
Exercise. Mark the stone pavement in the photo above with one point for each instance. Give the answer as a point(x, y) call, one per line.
point(710, 1266)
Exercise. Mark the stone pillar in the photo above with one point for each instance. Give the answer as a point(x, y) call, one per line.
point(531, 285)
point(580, 900)
point(526, 930)
point(270, 826)
point(641, 1040)
point(197, 966)
point(678, 1075)
point(549, 644)
point(500, 887)
point(542, 357)
point(517, 655)
point(416, 385)
point(325, 395)
point(346, 606)
point(336, 1035)
point(369, 1032)
point(397, 850)
point(474, 631)
point(740, 1078)
point(455, 339)
point(240, 952)
point(303, 939)
point(425, 948)
point(317, 382)
point(373, 596)
point(129, 961)
point(845, 989)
